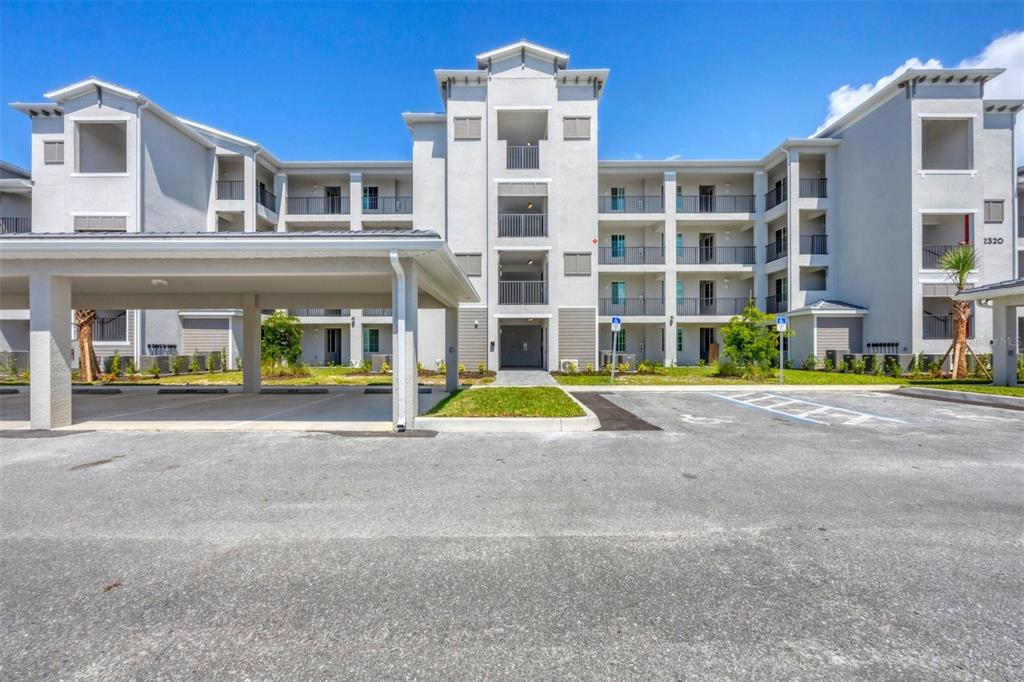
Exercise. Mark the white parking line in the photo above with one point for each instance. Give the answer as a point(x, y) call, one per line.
point(795, 408)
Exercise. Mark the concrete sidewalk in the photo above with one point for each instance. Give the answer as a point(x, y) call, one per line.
point(524, 377)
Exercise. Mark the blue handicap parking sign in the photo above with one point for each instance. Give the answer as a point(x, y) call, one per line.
point(616, 320)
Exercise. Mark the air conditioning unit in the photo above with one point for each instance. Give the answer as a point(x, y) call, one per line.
point(564, 364)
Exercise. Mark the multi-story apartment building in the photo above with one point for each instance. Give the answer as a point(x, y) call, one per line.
point(842, 231)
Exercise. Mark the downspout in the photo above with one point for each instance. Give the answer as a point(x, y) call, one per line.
point(139, 187)
point(399, 370)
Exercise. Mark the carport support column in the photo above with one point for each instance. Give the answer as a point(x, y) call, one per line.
point(405, 374)
point(251, 332)
point(50, 351)
point(451, 349)
point(1004, 346)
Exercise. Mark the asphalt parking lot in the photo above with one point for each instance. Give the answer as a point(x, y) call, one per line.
point(736, 543)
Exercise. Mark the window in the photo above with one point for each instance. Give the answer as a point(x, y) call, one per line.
point(620, 341)
point(577, 265)
point(103, 223)
point(618, 198)
point(618, 245)
point(576, 127)
point(618, 292)
point(679, 339)
point(102, 147)
point(471, 263)
point(53, 151)
point(370, 198)
point(946, 144)
point(371, 340)
point(994, 211)
point(467, 128)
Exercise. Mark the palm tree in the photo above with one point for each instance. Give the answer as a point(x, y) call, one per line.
point(958, 263)
point(88, 367)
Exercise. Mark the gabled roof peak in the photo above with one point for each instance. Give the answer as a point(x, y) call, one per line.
point(561, 59)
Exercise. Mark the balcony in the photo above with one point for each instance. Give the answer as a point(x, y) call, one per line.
point(942, 326)
point(739, 203)
point(630, 204)
point(813, 188)
point(775, 196)
point(513, 292)
point(522, 157)
point(931, 254)
point(318, 205)
point(319, 312)
point(231, 190)
point(776, 250)
point(387, 205)
point(632, 306)
point(15, 225)
point(688, 307)
point(631, 255)
point(376, 312)
point(814, 244)
point(775, 304)
point(715, 255)
point(519, 225)
point(266, 199)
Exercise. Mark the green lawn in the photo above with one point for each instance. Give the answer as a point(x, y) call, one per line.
point(682, 376)
point(975, 386)
point(541, 401)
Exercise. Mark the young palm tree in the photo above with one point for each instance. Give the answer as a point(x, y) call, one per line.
point(88, 367)
point(958, 264)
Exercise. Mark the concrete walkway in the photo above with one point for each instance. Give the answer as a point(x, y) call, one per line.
point(523, 377)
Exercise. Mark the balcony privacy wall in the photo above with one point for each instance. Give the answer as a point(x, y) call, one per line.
point(577, 335)
point(472, 337)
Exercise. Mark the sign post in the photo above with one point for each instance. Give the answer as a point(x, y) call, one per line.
point(780, 327)
point(616, 328)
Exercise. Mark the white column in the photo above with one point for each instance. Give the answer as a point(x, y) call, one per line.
point(355, 340)
point(251, 327)
point(249, 174)
point(281, 192)
point(760, 239)
point(405, 375)
point(355, 189)
point(50, 351)
point(451, 349)
point(670, 269)
point(1004, 344)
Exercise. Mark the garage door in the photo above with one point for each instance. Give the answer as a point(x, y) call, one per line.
point(839, 334)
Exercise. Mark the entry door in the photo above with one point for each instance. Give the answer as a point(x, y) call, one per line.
point(707, 247)
point(707, 339)
point(707, 297)
point(707, 198)
point(522, 346)
point(332, 346)
point(332, 199)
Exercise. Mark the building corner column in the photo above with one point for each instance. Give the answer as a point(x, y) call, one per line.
point(49, 351)
point(669, 242)
point(405, 369)
point(451, 349)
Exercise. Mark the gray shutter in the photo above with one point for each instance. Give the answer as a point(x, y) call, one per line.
point(522, 189)
point(471, 263)
point(993, 211)
point(53, 151)
point(106, 223)
point(577, 264)
point(467, 128)
point(576, 127)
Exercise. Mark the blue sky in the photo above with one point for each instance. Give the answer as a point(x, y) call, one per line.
point(329, 80)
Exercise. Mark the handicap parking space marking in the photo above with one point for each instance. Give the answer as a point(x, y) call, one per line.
point(697, 420)
point(807, 411)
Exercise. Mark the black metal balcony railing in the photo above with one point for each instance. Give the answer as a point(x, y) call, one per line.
point(814, 188)
point(522, 225)
point(931, 254)
point(522, 156)
point(266, 199)
point(814, 244)
point(15, 225)
point(318, 205)
point(776, 250)
point(715, 255)
point(376, 312)
point(632, 306)
point(630, 204)
point(738, 203)
point(710, 306)
point(775, 304)
point(387, 205)
point(631, 255)
point(942, 326)
point(231, 190)
point(775, 196)
point(111, 329)
point(319, 312)
point(511, 292)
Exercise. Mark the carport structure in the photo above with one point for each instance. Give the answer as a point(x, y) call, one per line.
point(53, 274)
point(1004, 297)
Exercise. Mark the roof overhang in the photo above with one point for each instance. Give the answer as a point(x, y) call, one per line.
point(15, 186)
point(523, 47)
point(990, 292)
point(412, 118)
point(33, 109)
point(1003, 106)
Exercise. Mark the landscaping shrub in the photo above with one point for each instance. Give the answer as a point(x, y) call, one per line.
point(857, 366)
point(215, 361)
point(385, 368)
point(442, 368)
point(935, 368)
point(193, 365)
point(572, 368)
point(129, 366)
point(177, 364)
point(724, 368)
point(481, 368)
point(827, 364)
point(281, 341)
point(811, 362)
point(154, 370)
point(115, 364)
point(622, 368)
point(366, 366)
point(590, 368)
point(892, 367)
point(462, 368)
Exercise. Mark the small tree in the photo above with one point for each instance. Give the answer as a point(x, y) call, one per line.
point(751, 342)
point(282, 339)
point(115, 364)
point(88, 366)
point(958, 263)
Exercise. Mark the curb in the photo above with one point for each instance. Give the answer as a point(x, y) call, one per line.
point(1004, 402)
point(711, 388)
point(588, 422)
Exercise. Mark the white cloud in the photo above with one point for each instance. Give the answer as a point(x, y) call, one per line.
point(637, 155)
point(674, 157)
point(1006, 52)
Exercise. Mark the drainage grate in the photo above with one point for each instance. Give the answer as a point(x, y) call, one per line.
point(186, 391)
point(96, 391)
point(293, 391)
